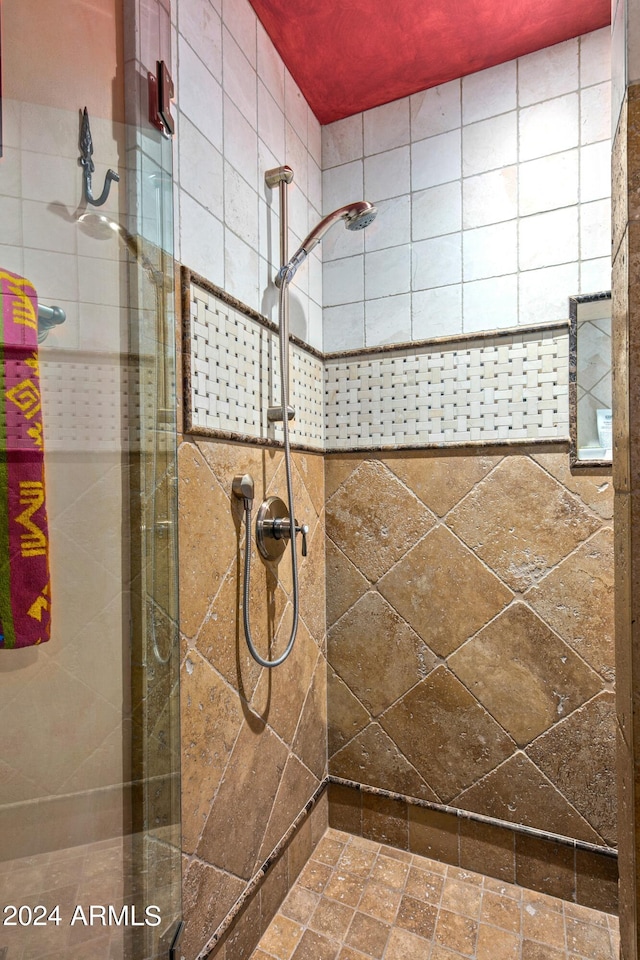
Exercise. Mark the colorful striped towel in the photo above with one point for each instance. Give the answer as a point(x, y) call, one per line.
point(25, 616)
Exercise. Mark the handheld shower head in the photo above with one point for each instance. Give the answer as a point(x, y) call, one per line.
point(356, 216)
point(361, 218)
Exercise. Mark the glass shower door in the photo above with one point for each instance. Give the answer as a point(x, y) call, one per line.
point(89, 754)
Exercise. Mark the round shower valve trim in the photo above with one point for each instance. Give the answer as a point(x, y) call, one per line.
point(273, 529)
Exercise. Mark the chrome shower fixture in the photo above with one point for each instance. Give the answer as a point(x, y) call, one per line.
point(356, 216)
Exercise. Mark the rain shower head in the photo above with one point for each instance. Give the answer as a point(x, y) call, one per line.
point(356, 216)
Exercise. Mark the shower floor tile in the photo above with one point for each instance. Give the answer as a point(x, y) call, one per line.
point(360, 900)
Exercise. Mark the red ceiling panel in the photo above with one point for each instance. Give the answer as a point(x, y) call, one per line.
point(350, 55)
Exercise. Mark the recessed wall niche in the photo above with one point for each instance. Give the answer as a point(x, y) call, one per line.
point(590, 404)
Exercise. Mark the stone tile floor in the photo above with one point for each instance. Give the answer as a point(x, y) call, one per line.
point(357, 900)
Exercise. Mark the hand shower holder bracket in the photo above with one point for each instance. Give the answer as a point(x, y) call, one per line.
point(274, 414)
point(273, 529)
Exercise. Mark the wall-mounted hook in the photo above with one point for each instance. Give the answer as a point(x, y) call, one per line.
point(161, 93)
point(86, 148)
point(48, 317)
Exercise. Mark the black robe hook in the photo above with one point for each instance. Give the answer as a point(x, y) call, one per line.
point(86, 148)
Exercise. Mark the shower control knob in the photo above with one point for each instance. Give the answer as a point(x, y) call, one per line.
point(303, 528)
point(273, 529)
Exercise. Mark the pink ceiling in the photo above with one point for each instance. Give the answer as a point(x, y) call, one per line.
point(350, 55)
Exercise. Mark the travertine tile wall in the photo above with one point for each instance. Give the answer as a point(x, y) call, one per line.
point(470, 634)
point(254, 740)
point(444, 204)
point(241, 113)
point(493, 193)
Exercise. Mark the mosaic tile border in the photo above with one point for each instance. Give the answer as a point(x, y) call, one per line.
point(505, 387)
point(89, 401)
point(230, 372)
point(485, 389)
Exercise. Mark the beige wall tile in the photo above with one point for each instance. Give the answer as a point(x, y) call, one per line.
point(373, 633)
point(373, 758)
point(385, 820)
point(521, 521)
point(346, 716)
point(576, 600)
point(443, 591)
point(504, 667)
point(469, 742)
point(346, 583)
point(373, 518)
point(556, 513)
point(573, 755)
point(545, 866)
point(433, 834)
point(441, 481)
point(519, 792)
point(487, 849)
point(272, 753)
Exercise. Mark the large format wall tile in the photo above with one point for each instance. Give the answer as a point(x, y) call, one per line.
point(575, 755)
point(576, 599)
point(380, 762)
point(519, 792)
point(443, 591)
point(510, 591)
point(375, 519)
point(203, 507)
point(441, 481)
point(446, 734)
point(377, 654)
point(517, 659)
point(521, 522)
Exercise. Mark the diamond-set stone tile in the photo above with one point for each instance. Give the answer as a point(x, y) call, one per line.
point(518, 660)
point(518, 792)
point(578, 765)
point(377, 759)
point(521, 522)
point(373, 633)
point(463, 743)
point(374, 519)
point(510, 524)
point(441, 481)
point(576, 600)
point(441, 566)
